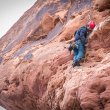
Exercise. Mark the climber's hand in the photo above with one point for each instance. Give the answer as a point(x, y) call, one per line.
point(87, 45)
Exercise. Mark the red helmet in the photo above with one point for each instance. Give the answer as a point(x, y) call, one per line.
point(91, 24)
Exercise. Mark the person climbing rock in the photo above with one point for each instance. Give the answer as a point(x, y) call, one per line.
point(80, 41)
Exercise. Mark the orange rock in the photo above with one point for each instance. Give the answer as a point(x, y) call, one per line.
point(36, 70)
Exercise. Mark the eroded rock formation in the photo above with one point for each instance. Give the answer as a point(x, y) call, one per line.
point(36, 70)
point(102, 5)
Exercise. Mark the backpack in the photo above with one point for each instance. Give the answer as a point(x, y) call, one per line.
point(81, 35)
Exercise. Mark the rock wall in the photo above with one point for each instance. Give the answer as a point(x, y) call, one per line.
point(102, 5)
point(36, 70)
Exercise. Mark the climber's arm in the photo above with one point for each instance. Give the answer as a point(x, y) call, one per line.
point(69, 41)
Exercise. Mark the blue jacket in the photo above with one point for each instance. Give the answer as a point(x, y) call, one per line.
point(81, 35)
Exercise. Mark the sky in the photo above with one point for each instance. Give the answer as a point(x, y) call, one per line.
point(11, 11)
point(2, 108)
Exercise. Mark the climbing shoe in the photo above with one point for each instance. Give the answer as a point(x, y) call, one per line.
point(76, 64)
point(73, 65)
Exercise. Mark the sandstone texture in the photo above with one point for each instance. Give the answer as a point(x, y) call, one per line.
point(36, 70)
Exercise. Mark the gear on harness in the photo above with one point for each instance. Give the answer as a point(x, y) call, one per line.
point(72, 45)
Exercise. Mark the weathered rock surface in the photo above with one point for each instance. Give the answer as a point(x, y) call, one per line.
point(36, 70)
point(102, 5)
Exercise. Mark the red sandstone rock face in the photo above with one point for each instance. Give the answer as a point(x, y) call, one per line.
point(102, 5)
point(36, 68)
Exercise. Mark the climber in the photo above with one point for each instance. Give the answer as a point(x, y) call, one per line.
point(80, 42)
